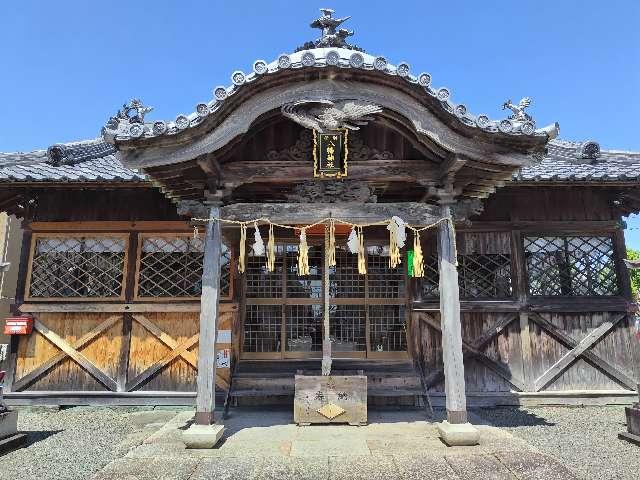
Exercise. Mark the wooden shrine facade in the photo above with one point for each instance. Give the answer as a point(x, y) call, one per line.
point(529, 288)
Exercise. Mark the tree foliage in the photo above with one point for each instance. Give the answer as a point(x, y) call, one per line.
point(634, 274)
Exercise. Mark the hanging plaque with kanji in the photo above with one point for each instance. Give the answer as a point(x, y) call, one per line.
point(330, 154)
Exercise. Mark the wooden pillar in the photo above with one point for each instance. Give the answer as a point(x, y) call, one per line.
point(206, 398)
point(454, 384)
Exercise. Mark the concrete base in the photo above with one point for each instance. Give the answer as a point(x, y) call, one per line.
point(202, 436)
point(8, 423)
point(462, 434)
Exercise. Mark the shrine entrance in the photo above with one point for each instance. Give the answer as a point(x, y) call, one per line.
point(283, 311)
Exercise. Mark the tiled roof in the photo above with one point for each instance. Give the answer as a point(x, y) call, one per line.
point(94, 161)
point(575, 162)
point(87, 161)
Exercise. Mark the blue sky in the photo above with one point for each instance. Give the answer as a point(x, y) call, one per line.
point(66, 66)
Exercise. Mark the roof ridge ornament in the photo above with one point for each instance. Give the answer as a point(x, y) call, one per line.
point(519, 114)
point(332, 36)
point(129, 119)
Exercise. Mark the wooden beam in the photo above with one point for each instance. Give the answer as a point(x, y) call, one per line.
point(454, 383)
point(206, 397)
point(241, 172)
point(296, 213)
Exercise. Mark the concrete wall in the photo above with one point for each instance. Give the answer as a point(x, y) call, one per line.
point(10, 241)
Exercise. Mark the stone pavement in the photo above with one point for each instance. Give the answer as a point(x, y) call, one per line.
point(395, 445)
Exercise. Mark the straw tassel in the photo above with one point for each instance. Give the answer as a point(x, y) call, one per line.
point(362, 261)
point(271, 250)
point(332, 243)
point(303, 254)
point(394, 249)
point(243, 247)
point(196, 233)
point(418, 260)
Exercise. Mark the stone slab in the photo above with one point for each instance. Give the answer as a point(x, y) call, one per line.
point(629, 437)
point(148, 469)
point(458, 434)
point(334, 446)
point(202, 436)
point(12, 442)
point(534, 466)
point(8, 424)
point(478, 467)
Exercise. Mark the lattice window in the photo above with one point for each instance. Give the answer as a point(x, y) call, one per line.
point(347, 328)
point(171, 267)
point(308, 286)
point(77, 267)
point(429, 284)
point(384, 281)
point(570, 266)
point(304, 328)
point(259, 281)
point(387, 328)
point(344, 279)
point(484, 267)
point(262, 328)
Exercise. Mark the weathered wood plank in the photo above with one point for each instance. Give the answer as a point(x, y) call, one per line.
point(450, 322)
point(292, 213)
point(592, 358)
point(313, 392)
point(206, 398)
point(572, 355)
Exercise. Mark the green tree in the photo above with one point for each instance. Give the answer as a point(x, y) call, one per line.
point(634, 274)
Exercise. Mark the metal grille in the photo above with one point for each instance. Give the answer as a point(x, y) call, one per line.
point(387, 328)
point(344, 279)
point(308, 286)
point(77, 267)
point(484, 275)
point(172, 267)
point(262, 328)
point(384, 282)
point(260, 282)
point(304, 328)
point(348, 328)
point(570, 266)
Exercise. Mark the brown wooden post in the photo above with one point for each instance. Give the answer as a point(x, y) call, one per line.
point(454, 384)
point(206, 397)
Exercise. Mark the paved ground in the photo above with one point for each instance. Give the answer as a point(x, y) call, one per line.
point(137, 444)
point(395, 445)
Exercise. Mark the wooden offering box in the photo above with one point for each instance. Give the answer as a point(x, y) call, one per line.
point(330, 399)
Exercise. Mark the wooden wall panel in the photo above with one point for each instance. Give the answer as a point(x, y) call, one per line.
point(35, 350)
point(146, 349)
point(614, 347)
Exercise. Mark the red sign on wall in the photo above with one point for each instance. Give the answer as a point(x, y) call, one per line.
point(18, 325)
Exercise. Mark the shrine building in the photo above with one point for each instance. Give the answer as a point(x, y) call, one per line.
point(328, 208)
